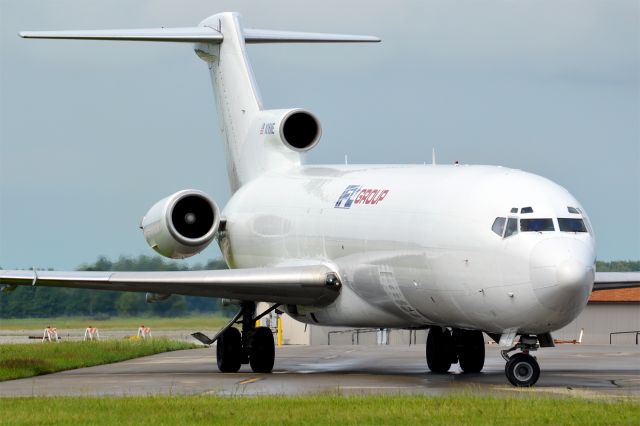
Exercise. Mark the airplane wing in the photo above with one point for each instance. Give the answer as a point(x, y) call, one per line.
point(304, 285)
point(613, 280)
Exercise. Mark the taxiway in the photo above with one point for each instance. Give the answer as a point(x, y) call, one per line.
point(590, 371)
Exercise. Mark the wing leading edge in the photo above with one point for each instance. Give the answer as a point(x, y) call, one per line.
point(303, 285)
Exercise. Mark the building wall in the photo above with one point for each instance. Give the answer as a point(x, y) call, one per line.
point(294, 332)
point(600, 319)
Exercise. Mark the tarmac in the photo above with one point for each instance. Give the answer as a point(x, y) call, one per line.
point(590, 371)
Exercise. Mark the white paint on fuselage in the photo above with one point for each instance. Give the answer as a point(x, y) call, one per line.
point(425, 253)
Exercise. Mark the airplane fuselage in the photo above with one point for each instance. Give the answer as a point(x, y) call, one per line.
point(414, 244)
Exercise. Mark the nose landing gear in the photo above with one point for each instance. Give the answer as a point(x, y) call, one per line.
point(522, 369)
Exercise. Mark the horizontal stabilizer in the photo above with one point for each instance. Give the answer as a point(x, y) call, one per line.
point(268, 36)
point(199, 35)
point(184, 35)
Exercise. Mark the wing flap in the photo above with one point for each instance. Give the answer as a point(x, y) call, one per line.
point(303, 285)
point(615, 280)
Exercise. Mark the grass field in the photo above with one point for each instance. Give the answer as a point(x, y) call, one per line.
point(325, 409)
point(194, 322)
point(27, 360)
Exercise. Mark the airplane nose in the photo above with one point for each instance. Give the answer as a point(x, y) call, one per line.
point(562, 273)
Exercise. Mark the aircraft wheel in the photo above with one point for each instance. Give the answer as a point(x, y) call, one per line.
point(522, 370)
point(440, 350)
point(262, 350)
point(229, 351)
point(470, 350)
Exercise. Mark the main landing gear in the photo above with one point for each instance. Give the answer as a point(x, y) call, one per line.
point(445, 347)
point(253, 346)
point(460, 346)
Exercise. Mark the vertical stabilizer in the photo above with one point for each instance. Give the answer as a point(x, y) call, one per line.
point(256, 140)
point(237, 97)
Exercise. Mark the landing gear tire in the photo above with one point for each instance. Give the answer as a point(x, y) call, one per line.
point(440, 350)
point(470, 345)
point(522, 370)
point(229, 351)
point(262, 351)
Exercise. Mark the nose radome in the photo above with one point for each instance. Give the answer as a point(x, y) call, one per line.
point(573, 273)
point(562, 273)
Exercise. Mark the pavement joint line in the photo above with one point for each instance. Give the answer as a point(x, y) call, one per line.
point(377, 387)
point(251, 380)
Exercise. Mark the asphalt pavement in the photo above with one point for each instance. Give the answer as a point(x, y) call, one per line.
point(580, 370)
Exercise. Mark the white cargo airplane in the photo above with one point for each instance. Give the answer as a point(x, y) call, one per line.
point(460, 250)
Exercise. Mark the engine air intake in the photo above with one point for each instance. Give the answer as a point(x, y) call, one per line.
point(300, 130)
point(182, 224)
point(193, 216)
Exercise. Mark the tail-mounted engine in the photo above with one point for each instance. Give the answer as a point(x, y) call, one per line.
point(297, 129)
point(181, 225)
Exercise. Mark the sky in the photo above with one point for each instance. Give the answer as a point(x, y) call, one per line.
point(92, 134)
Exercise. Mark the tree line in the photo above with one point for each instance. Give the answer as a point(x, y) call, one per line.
point(618, 266)
point(42, 302)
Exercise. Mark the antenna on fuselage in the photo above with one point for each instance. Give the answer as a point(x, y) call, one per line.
point(346, 159)
point(433, 156)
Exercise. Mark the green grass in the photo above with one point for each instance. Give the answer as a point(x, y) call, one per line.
point(194, 322)
point(324, 409)
point(33, 359)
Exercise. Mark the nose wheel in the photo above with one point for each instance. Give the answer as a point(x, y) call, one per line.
point(522, 369)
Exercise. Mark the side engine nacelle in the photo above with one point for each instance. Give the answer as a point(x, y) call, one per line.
point(297, 129)
point(181, 225)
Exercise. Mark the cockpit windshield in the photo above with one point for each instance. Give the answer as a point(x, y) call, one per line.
point(512, 227)
point(571, 225)
point(536, 225)
point(507, 226)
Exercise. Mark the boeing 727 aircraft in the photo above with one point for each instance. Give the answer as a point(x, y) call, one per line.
point(457, 249)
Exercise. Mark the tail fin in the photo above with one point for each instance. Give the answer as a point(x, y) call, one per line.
point(220, 41)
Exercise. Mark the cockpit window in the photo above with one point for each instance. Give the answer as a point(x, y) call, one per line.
point(571, 225)
point(498, 225)
point(573, 210)
point(512, 227)
point(536, 225)
point(514, 210)
point(526, 210)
